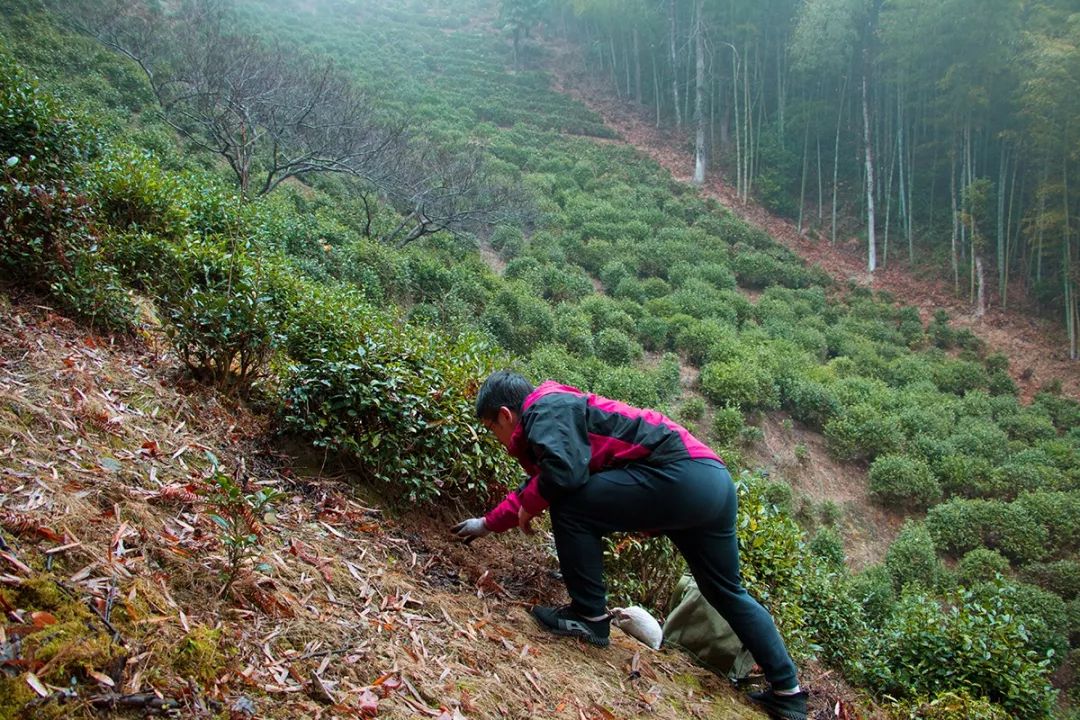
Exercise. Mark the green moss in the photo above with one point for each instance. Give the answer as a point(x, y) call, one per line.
point(686, 680)
point(41, 593)
point(200, 655)
point(14, 695)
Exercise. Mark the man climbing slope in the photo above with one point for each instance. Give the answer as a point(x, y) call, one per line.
point(601, 467)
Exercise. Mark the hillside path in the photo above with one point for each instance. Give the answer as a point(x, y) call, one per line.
point(1036, 348)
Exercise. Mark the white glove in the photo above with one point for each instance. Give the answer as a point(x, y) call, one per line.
point(471, 528)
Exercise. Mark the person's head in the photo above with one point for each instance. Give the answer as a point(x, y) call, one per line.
point(498, 404)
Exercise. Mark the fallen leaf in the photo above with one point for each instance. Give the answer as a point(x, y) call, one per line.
point(41, 619)
point(35, 684)
point(368, 704)
point(101, 678)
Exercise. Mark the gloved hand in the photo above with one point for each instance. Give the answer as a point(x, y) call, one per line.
point(470, 529)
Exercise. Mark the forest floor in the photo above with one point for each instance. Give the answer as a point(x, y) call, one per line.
point(111, 559)
point(1036, 348)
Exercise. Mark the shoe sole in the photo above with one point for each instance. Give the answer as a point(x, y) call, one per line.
point(777, 713)
point(591, 639)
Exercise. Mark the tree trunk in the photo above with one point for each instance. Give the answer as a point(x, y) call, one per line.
point(674, 64)
point(836, 158)
point(699, 93)
point(868, 154)
point(955, 223)
point(980, 281)
point(805, 170)
point(614, 66)
point(656, 87)
point(637, 67)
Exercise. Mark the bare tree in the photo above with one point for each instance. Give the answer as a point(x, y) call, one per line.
point(438, 190)
point(271, 113)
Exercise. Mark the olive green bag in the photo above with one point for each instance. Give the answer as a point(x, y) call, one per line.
point(696, 628)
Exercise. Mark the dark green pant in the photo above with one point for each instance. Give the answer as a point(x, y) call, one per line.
point(694, 503)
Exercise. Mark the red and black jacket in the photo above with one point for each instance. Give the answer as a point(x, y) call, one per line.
point(564, 436)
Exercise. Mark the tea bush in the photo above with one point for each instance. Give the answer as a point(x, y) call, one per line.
point(1059, 576)
point(912, 558)
point(697, 340)
point(873, 588)
point(810, 402)
point(727, 424)
point(220, 319)
point(743, 382)
point(642, 571)
point(966, 643)
point(131, 192)
point(862, 432)
point(903, 481)
point(834, 619)
point(980, 564)
point(960, 525)
point(400, 401)
point(47, 239)
point(616, 347)
point(828, 547)
point(949, 705)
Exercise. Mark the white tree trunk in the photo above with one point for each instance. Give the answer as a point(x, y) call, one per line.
point(868, 152)
point(674, 64)
point(699, 93)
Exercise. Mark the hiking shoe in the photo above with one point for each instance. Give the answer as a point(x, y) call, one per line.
point(564, 621)
point(781, 707)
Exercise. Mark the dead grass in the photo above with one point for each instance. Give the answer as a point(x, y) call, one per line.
point(347, 610)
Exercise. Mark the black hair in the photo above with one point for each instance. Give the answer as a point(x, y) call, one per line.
point(501, 389)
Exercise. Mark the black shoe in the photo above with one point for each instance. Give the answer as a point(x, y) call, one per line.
point(782, 707)
point(564, 621)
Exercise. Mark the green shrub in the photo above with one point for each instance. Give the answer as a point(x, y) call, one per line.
point(727, 423)
point(959, 377)
point(873, 588)
point(949, 705)
point(221, 319)
point(828, 547)
point(1058, 512)
point(903, 481)
point(1043, 614)
point(1065, 412)
point(959, 525)
point(669, 377)
point(616, 347)
point(769, 553)
point(967, 643)
point(131, 192)
point(744, 382)
point(912, 558)
point(1059, 576)
point(966, 476)
point(400, 401)
point(834, 617)
point(1028, 426)
point(697, 340)
point(693, 408)
point(810, 402)
point(518, 319)
point(641, 571)
point(979, 565)
point(47, 240)
point(862, 432)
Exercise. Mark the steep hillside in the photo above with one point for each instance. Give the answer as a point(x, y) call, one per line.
point(1036, 347)
point(114, 566)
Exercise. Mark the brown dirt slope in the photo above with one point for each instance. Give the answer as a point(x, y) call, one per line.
point(111, 567)
point(1036, 348)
